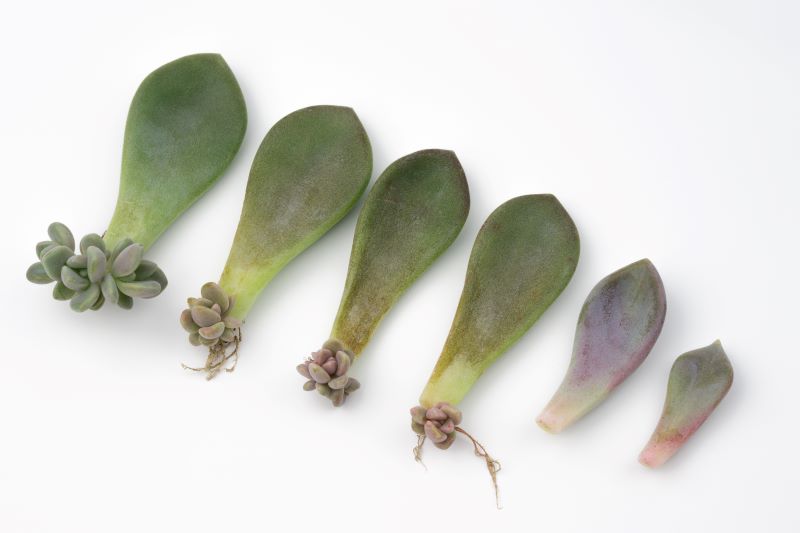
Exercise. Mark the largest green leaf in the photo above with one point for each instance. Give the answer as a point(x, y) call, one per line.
point(185, 125)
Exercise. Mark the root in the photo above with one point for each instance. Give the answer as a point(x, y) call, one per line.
point(418, 450)
point(492, 465)
point(218, 357)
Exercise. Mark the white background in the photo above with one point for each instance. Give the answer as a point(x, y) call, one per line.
point(667, 129)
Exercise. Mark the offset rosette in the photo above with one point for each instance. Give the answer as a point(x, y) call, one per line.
point(326, 372)
point(437, 423)
point(207, 319)
point(97, 274)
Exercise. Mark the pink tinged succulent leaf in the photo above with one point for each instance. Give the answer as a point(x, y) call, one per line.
point(618, 326)
point(698, 381)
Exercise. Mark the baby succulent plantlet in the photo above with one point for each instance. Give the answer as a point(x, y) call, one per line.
point(185, 125)
point(308, 173)
point(617, 327)
point(698, 381)
point(522, 259)
point(411, 215)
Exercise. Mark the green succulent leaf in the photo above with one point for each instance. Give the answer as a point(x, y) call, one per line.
point(127, 261)
point(77, 262)
point(187, 323)
point(92, 239)
point(61, 234)
point(139, 289)
point(204, 317)
point(413, 213)
point(62, 292)
point(108, 286)
point(212, 332)
point(95, 264)
point(308, 173)
point(42, 247)
point(73, 280)
point(212, 291)
point(125, 301)
point(99, 303)
point(84, 300)
point(145, 270)
point(523, 258)
point(54, 259)
point(185, 125)
point(37, 274)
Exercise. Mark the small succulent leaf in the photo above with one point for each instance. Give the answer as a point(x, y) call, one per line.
point(227, 336)
point(78, 262)
point(145, 270)
point(139, 289)
point(214, 292)
point(95, 264)
point(92, 239)
point(125, 301)
point(187, 323)
point(54, 259)
point(61, 234)
point(342, 363)
point(418, 414)
point(698, 381)
point(37, 274)
point(323, 390)
point(318, 373)
point(127, 261)
point(199, 301)
point(337, 397)
point(42, 246)
point(207, 342)
point(108, 287)
point(212, 332)
point(329, 366)
point(84, 300)
point(203, 316)
point(302, 369)
point(62, 292)
point(434, 433)
point(99, 303)
point(121, 245)
point(309, 385)
point(73, 280)
point(159, 277)
point(352, 385)
point(194, 339)
point(338, 383)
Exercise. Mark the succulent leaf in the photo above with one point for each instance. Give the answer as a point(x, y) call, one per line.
point(61, 234)
point(92, 239)
point(139, 289)
point(127, 261)
point(523, 258)
point(204, 317)
point(78, 262)
point(84, 300)
point(212, 332)
point(411, 215)
point(125, 301)
point(62, 292)
point(185, 125)
point(308, 173)
point(37, 274)
point(698, 381)
point(95, 264)
point(54, 259)
point(73, 280)
point(108, 286)
point(213, 292)
point(618, 326)
point(42, 246)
